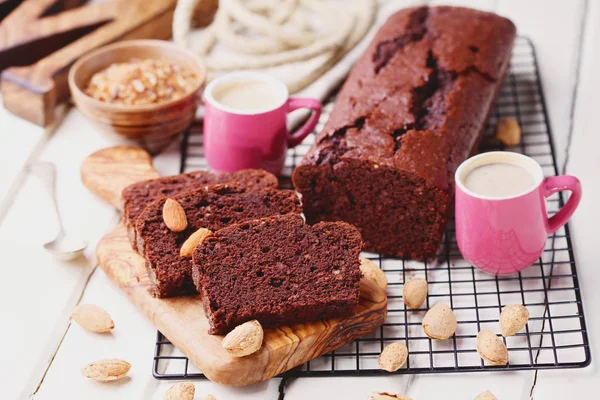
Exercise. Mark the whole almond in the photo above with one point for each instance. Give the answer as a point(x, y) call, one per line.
point(491, 348)
point(393, 357)
point(487, 395)
point(371, 290)
point(245, 339)
point(106, 370)
point(92, 318)
point(187, 249)
point(513, 318)
point(388, 396)
point(414, 293)
point(181, 391)
point(376, 274)
point(439, 322)
point(508, 131)
point(174, 216)
point(210, 397)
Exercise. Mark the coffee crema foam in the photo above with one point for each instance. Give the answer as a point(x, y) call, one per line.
point(247, 95)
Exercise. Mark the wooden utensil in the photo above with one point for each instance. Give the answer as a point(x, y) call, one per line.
point(182, 319)
point(52, 43)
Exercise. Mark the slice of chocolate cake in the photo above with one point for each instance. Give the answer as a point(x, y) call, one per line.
point(279, 271)
point(137, 196)
point(213, 207)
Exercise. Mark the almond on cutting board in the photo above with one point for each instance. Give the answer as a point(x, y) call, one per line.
point(376, 274)
point(414, 293)
point(513, 318)
point(388, 396)
point(371, 290)
point(439, 322)
point(174, 216)
point(106, 370)
point(187, 248)
point(487, 395)
point(92, 318)
point(491, 348)
point(181, 391)
point(244, 340)
point(393, 357)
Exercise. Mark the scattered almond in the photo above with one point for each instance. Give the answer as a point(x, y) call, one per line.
point(393, 357)
point(487, 395)
point(92, 318)
point(174, 216)
point(371, 290)
point(388, 396)
point(210, 397)
point(245, 339)
point(376, 274)
point(414, 293)
point(439, 322)
point(513, 318)
point(181, 391)
point(187, 249)
point(508, 131)
point(491, 348)
point(106, 370)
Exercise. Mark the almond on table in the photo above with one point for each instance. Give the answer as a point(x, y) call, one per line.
point(181, 391)
point(487, 395)
point(92, 318)
point(106, 370)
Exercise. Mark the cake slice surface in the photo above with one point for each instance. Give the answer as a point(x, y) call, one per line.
point(213, 207)
point(278, 270)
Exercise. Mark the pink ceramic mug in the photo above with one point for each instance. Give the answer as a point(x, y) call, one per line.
point(236, 139)
point(504, 235)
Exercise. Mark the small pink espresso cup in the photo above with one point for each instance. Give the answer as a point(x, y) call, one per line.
point(236, 139)
point(504, 235)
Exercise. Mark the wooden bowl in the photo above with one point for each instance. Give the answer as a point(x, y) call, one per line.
point(153, 125)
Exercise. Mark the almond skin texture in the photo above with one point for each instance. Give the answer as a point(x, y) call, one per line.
point(376, 274)
point(388, 396)
point(245, 339)
point(508, 131)
point(487, 395)
point(513, 318)
point(491, 348)
point(370, 290)
point(106, 370)
point(174, 216)
point(393, 357)
point(439, 322)
point(414, 293)
point(188, 247)
point(92, 318)
point(181, 391)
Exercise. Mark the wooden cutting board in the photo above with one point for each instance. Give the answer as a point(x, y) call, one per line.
point(182, 319)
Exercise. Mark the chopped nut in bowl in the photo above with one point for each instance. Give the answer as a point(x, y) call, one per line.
point(146, 91)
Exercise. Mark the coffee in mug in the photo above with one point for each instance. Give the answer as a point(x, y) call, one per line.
point(499, 180)
point(500, 210)
point(248, 95)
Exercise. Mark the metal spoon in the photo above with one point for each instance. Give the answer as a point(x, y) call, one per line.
point(63, 247)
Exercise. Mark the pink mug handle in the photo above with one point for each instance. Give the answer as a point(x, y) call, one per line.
point(295, 103)
point(555, 184)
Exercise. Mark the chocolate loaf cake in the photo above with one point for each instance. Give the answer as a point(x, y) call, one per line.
point(413, 108)
point(213, 207)
point(138, 195)
point(279, 271)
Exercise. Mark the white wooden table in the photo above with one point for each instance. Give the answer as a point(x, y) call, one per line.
point(43, 353)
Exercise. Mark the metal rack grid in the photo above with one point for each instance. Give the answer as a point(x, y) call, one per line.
point(555, 336)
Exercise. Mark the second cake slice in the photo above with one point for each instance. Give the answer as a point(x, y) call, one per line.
point(279, 271)
point(213, 208)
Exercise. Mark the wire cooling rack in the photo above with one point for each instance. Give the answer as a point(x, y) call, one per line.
point(555, 336)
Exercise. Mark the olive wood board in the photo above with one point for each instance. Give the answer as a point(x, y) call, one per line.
point(182, 319)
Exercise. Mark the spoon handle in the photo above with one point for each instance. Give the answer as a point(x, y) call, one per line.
point(46, 171)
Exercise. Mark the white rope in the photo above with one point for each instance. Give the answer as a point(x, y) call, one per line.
point(266, 33)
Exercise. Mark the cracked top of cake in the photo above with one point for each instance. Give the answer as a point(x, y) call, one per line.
point(395, 108)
